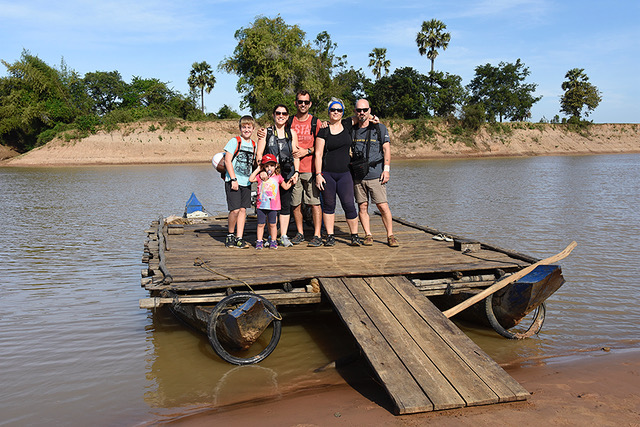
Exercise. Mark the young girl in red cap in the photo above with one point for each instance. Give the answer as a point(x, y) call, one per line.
point(268, 199)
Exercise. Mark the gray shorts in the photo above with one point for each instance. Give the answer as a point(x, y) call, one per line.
point(306, 186)
point(370, 188)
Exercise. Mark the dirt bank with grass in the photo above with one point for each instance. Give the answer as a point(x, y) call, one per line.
point(196, 142)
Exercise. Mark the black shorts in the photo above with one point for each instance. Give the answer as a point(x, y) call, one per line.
point(237, 199)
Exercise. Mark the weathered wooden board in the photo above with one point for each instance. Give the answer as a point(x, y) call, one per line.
point(416, 351)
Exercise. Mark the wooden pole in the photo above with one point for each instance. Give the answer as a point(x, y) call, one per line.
point(504, 282)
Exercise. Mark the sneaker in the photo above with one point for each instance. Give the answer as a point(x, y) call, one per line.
point(331, 240)
point(368, 240)
point(284, 241)
point(355, 240)
point(315, 242)
point(241, 244)
point(259, 244)
point(230, 241)
point(273, 244)
point(297, 239)
point(392, 241)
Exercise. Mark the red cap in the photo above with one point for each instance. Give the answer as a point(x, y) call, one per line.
point(269, 158)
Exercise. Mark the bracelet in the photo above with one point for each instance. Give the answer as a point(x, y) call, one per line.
point(386, 168)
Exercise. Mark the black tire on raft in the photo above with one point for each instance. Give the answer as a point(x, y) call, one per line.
point(534, 328)
point(235, 299)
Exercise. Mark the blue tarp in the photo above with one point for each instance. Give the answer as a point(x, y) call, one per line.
point(193, 205)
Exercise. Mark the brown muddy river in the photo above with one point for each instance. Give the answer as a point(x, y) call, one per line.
point(75, 349)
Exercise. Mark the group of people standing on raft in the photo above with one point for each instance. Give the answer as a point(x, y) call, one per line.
point(301, 159)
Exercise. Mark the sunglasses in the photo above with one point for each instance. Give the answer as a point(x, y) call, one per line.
point(303, 102)
point(281, 113)
point(362, 110)
point(335, 110)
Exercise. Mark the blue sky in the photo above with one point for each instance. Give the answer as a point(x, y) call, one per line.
point(161, 39)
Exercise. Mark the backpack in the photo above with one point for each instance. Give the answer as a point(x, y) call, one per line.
point(221, 166)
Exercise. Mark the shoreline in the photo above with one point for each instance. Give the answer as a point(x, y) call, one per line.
point(149, 143)
point(8, 163)
point(598, 388)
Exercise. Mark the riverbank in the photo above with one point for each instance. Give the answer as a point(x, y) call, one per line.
point(600, 388)
point(196, 142)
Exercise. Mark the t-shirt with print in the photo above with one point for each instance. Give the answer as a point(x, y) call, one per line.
point(376, 156)
point(305, 141)
point(269, 193)
point(243, 162)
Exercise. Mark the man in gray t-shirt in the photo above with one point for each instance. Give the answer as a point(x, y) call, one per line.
point(373, 186)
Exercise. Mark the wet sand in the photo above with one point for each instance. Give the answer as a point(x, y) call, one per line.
point(601, 388)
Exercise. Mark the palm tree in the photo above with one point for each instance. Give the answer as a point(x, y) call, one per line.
point(379, 61)
point(432, 37)
point(201, 77)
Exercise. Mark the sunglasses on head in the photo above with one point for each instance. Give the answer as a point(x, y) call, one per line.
point(362, 110)
point(304, 102)
point(335, 110)
point(281, 113)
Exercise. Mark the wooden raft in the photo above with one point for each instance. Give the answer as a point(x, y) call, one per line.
point(423, 360)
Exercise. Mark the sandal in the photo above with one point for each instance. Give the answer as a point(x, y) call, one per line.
point(439, 237)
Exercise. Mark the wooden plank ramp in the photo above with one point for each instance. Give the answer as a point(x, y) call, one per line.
point(422, 359)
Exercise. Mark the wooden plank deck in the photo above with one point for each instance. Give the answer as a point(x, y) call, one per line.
point(423, 360)
point(198, 262)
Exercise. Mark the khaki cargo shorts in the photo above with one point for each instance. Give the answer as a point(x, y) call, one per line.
point(306, 186)
point(370, 188)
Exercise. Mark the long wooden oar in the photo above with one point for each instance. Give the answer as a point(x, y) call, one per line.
point(504, 282)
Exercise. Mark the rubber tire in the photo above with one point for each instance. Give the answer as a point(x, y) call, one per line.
point(535, 327)
point(238, 299)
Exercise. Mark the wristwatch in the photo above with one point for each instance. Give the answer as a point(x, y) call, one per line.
point(309, 151)
point(234, 179)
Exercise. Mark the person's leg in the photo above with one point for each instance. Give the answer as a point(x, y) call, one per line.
point(329, 202)
point(363, 213)
point(245, 203)
point(285, 213)
point(362, 199)
point(297, 218)
point(296, 204)
point(262, 218)
point(316, 211)
point(387, 218)
point(233, 219)
point(241, 218)
point(344, 188)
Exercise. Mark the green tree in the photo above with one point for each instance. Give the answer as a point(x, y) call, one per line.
point(147, 93)
point(578, 94)
point(445, 93)
point(348, 85)
point(379, 62)
point(273, 60)
point(201, 77)
point(106, 89)
point(502, 91)
point(432, 37)
point(226, 112)
point(402, 94)
point(33, 99)
point(323, 84)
